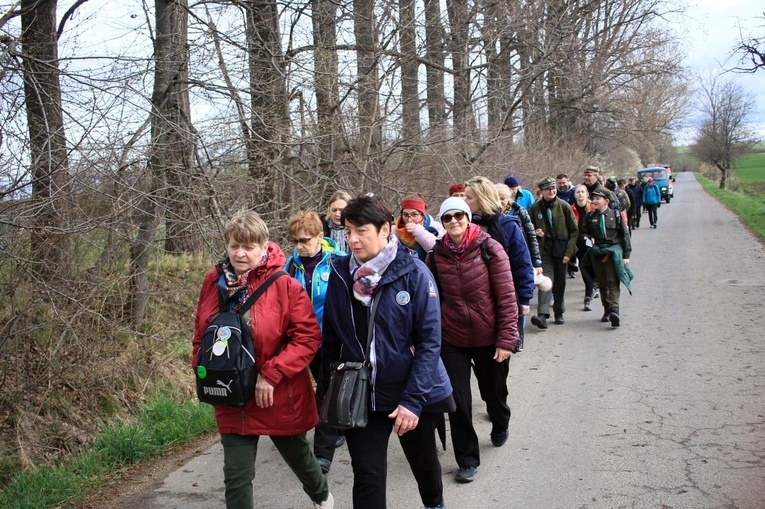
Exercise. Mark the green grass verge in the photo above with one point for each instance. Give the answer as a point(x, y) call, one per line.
point(163, 422)
point(751, 168)
point(749, 206)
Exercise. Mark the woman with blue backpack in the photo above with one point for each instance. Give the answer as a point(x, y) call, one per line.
point(652, 201)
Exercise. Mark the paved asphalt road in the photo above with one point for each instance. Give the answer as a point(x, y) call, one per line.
point(667, 411)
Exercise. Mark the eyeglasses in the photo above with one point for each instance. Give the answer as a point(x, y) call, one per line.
point(447, 218)
point(413, 215)
point(304, 240)
point(549, 189)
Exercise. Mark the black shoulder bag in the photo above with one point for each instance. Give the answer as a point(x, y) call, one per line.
point(346, 405)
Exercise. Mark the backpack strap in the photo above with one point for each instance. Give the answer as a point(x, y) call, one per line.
point(485, 254)
point(430, 261)
point(260, 290)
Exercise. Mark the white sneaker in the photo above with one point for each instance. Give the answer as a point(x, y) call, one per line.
point(327, 504)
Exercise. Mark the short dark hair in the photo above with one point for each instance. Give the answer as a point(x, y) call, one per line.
point(365, 209)
point(561, 176)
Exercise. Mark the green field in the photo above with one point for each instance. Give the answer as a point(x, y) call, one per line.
point(751, 168)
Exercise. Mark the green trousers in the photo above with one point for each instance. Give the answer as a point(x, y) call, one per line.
point(608, 283)
point(239, 454)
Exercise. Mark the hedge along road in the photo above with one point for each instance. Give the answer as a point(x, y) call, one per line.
point(666, 411)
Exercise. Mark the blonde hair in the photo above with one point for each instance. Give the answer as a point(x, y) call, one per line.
point(246, 228)
point(486, 194)
point(587, 191)
point(305, 221)
point(337, 195)
point(503, 190)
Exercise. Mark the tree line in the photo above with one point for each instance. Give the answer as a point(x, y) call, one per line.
point(307, 97)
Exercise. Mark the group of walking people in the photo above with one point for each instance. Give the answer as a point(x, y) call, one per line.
point(426, 301)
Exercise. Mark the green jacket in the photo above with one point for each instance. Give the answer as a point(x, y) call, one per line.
point(597, 252)
point(564, 223)
point(616, 232)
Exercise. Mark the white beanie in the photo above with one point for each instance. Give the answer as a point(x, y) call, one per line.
point(454, 203)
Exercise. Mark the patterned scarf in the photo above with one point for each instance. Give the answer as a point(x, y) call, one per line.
point(467, 238)
point(367, 276)
point(337, 233)
point(233, 288)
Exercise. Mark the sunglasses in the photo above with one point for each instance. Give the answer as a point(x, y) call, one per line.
point(413, 215)
point(447, 218)
point(304, 240)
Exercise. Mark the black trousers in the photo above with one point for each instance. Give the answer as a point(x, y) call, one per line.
point(653, 213)
point(589, 284)
point(369, 458)
point(324, 437)
point(492, 384)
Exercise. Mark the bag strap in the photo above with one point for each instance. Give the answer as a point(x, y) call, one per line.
point(430, 261)
point(260, 290)
point(371, 327)
point(485, 254)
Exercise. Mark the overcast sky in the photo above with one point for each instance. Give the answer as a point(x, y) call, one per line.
point(709, 30)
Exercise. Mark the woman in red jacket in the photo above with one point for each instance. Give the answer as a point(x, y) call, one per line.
point(479, 317)
point(283, 406)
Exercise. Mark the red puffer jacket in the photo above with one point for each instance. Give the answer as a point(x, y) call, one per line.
point(284, 310)
point(477, 310)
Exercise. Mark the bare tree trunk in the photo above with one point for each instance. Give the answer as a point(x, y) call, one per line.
point(171, 157)
point(370, 128)
point(141, 249)
point(723, 174)
point(173, 136)
point(462, 110)
point(434, 43)
point(269, 121)
point(496, 45)
point(330, 142)
point(561, 44)
point(49, 165)
point(410, 100)
point(531, 78)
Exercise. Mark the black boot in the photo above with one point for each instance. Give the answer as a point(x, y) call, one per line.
point(613, 317)
point(540, 321)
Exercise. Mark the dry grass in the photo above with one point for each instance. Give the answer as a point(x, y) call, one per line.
point(70, 366)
